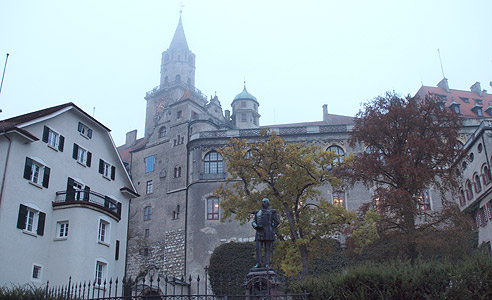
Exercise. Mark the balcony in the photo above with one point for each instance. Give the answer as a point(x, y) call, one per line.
point(89, 199)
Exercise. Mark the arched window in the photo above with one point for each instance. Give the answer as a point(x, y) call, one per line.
point(486, 175)
point(162, 131)
point(337, 150)
point(212, 208)
point(213, 163)
point(178, 77)
point(177, 171)
point(339, 198)
point(476, 183)
point(462, 198)
point(469, 191)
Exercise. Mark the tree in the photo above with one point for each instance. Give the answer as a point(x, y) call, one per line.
point(411, 144)
point(289, 175)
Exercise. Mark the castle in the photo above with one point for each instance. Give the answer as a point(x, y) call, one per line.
point(175, 223)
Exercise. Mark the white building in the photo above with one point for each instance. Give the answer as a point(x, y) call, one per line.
point(64, 199)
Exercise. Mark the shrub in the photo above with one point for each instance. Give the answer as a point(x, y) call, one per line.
point(229, 265)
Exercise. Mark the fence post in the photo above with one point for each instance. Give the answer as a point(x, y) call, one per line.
point(47, 288)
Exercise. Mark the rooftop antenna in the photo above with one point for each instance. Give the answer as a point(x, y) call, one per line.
point(442, 70)
point(4, 68)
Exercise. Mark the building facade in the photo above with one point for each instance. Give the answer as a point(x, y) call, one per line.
point(64, 199)
point(175, 224)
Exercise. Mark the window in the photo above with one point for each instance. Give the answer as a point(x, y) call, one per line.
point(212, 208)
point(149, 187)
point(195, 116)
point(179, 114)
point(176, 213)
point(117, 250)
point(469, 191)
point(339, 151)
point(243, 117)
point(53, 139)
point(62, 229)
point(480, 148)
point(85, 130)
point(177, 172)
point(36, 272)
point(243, 103)
point(106, 169)
point(149, 164)
point(147, 233)
point(81, 155)
point(103, 232)
point(77, 191)
point(147, 213)
point(339, 198)
point(213, 163)
point(31, 220)
point(466, 100)
point(462, 198)
point(477, 184)
point(424, 202)
point(162, 131)
point(36, 172)
point(100, 272)
point(486, 175)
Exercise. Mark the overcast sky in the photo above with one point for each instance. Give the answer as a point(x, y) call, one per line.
point(294, 55)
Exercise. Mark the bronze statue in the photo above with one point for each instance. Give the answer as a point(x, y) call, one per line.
point(265, 222)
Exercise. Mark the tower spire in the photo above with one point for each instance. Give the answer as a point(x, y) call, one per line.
point(179, 38)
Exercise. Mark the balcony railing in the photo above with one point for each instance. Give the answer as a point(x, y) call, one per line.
point(91, 199)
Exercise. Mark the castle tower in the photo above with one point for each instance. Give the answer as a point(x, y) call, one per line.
point(245, 110)
point(178, 62)
point(177, 76)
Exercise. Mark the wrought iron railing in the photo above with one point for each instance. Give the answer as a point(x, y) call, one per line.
point(89, 198)
point(167, 288)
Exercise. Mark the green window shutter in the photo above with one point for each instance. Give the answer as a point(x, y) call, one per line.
point(70, 196)
point(41, 220)
point(61, 142)
point(101, 166)
point(75, 151)
point(27, 168)
point(21, 220)
point(89, 158)
point(46, 177)
point(46, 132)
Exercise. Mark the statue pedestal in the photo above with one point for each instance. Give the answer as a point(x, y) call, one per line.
point(263, 281)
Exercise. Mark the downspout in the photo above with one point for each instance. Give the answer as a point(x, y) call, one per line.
point(5, 169)
point(485, 149)
point(186, 196)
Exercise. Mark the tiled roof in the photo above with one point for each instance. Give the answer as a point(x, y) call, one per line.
point(467, 100)
point(125, 151)
point(13, 122)
point(332, 120)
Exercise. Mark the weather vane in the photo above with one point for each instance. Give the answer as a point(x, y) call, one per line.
point(181, 5)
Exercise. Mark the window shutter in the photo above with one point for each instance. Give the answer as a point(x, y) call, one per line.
point(101, 166)
point(27, 168)
point(87, 191)
point(80, 127)
point(61, 142)
point(70, 196)
point(46, 177)
point(89, 158)
point(21, 220)
point(89, 133)
point(113, 172)
point(41, 219)
point(46, 131)
point(117, 252)
point(75, 151)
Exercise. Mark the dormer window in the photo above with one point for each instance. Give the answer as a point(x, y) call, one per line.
point(478, 111)
point(85, 130)
point(477, 101)
point(466, 100)
point(442, 97)
point(455, 107)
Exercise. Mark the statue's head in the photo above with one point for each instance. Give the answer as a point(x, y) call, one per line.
point(265, 202)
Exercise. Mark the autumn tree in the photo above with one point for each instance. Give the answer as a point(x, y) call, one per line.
point(410, 146)
point(289, 174)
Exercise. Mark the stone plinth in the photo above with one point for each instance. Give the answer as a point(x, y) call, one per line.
point(263, 281)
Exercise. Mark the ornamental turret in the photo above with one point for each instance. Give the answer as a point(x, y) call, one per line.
point(245, 110)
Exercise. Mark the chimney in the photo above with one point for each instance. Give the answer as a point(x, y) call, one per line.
point(325, 113)
point(131, 137)
point(443, 84)
point(476, 88)
point(227, 115)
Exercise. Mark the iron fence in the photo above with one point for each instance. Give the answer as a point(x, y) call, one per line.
point(173, 288)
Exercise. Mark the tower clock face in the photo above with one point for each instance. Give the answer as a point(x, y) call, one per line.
point(161, 104)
